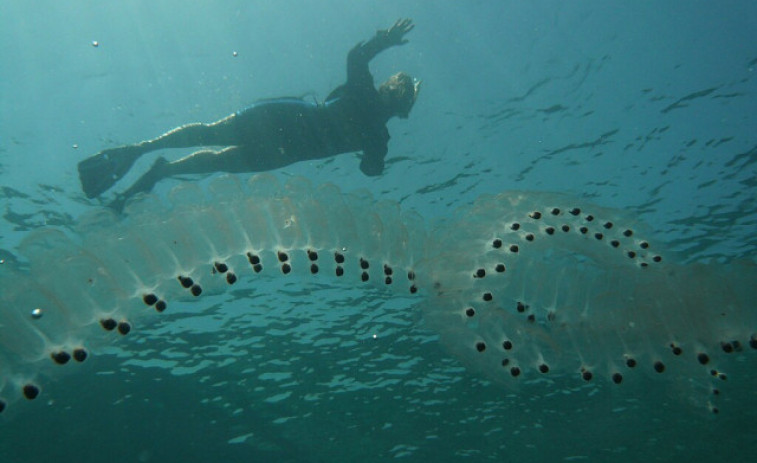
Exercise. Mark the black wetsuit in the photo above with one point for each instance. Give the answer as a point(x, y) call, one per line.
point(286, 130)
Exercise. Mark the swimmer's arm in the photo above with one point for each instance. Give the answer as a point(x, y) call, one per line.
point(364, 52)
point(387, 38)
point(372, 163)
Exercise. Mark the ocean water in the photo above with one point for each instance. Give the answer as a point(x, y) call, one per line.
point(648, 109)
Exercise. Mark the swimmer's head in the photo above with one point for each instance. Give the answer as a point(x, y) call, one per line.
point(399, 94)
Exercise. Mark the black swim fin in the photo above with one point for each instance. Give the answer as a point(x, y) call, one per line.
point(100, 172)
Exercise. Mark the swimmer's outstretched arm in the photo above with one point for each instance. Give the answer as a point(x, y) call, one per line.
point(387, 38)
point(364, 52)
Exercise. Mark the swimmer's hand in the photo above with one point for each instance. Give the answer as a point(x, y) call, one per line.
point(395, 34)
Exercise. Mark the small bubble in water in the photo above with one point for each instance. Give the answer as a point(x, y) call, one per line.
point(37, 313)
point(234, 54)
point(95, 43)
point(75, 146)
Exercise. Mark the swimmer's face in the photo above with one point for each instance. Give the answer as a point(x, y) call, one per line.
point(399, 94)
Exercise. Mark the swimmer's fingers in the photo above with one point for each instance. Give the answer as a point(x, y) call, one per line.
point(396, 33)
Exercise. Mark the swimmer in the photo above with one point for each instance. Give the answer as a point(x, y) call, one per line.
point(277, 132)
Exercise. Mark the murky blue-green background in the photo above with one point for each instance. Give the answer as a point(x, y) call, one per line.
point(648, 106)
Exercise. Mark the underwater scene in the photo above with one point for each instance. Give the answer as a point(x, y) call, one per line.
point(338, 231)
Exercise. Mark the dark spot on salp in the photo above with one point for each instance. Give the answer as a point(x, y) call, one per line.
point(507, 345)
point(286, 269)
point(727, 347)
point(364, 276)
point(514, 248)
point(497, 243)
point(231, 278)
point(253, 259)
point(108, 324)
point(575, 211)
point(487, 297)
point(718, 374)
point(30, 391)
point(716, 391)
point(505, 362)
point(150, 299)
point(283, 257)
point(312, 255)
point(470, 311)
point(80, 354)
point(480, 273)
point(586, 375)
point(703, 358)
point(583, 230)
point(388, 280)
point(544, 368)
point(551, 315)
point(364, 264)
point(161, 305)
point(186, 282)
point(598, 236)
point(615, 243)
point(124, 328)
point(617, 378)
point(631, 363)
point(529, 237)
point(60, 357)
point(659, 367)
point(313, 268)
point(413, 289)
point(339, 270)
point(657, 258)
point(644, 245)
point(388, 270)
point(555, 211)
point(338, 257)
point(411, 275)
point(628, 233)
point(521, 307)
point(565, 228)
point(643, 265)
point(531, 318)
point(715, 410)
point(196, 290)
point(589, 218)
point(501, 268)
point(631, 254)
point(607, 225)
point(220, 267)
point(535, 215)
point(2, 405)
point(257, 268)
point(753, 341)
point(515, 372)
point(515, 226)
point(676, 349)
point(480, 346)
point(549, 230)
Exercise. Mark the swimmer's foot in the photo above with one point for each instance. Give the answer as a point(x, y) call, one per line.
point(100, 172)
point(157, 172)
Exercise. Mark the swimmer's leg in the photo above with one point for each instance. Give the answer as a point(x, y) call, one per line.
point(100, 172)
point(231, 159)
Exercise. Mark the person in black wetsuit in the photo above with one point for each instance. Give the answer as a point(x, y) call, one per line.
point(277, 132)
